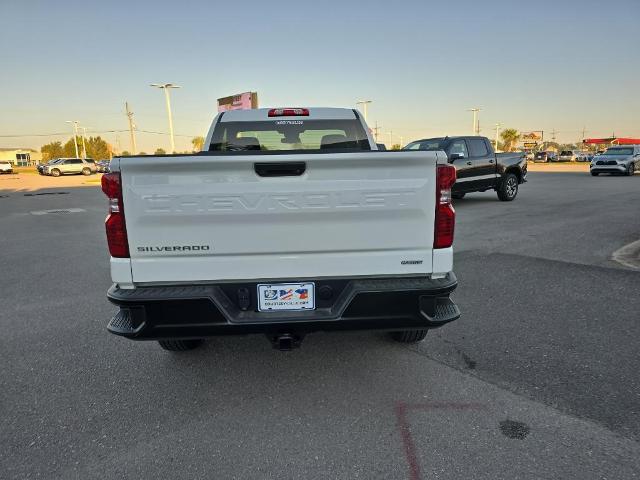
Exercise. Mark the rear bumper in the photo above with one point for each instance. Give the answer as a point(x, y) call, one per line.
point(197, 311)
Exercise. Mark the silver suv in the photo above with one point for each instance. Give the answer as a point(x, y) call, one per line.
point(623, 159)
point(67, 166)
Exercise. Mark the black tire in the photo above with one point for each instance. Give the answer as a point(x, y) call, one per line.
point(409, 336)
point(55, 172)
point(630, 170)
point(180, 345)
point(86, 171)
point(595, 174)
point(458, 196)
point(508, 188)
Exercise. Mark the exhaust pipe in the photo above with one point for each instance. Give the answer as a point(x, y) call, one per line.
point(285, 342)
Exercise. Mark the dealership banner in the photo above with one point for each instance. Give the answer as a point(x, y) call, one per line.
point(241, 101)
point(531, 139)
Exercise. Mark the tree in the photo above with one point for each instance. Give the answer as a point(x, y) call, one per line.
point(142, 153)
point(160, 151)
point(69, 148)
point(96, 147)
point(396, 146)
point(125, 153)
point(197, 143)
point(52, 150)
point(510, 137)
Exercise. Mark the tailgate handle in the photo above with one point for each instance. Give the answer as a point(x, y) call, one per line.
point(281, 169)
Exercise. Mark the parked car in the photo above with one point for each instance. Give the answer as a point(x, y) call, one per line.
point(478, 167)
point(544, 157)
point(568, 156)
point(584, 157)
point(40, 166)
point(250, 252)
point(6, 167)
point(68, 166)
point(621, 159)
point(103, 166)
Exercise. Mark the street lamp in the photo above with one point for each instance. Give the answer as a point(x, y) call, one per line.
point(476, 129)
point(364, 103)
point(84, 146)
point(75, 134)
point(166, 87)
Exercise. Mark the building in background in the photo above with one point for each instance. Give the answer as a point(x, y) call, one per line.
point(241, 101)
point(20, 157)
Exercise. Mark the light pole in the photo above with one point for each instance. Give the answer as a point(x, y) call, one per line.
point(166, 87)
point(475, 129)
point(498, 125)
point(364, 104)
point(75, 134)
point(84, 146)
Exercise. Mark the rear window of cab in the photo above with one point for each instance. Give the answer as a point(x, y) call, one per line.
point(289, 135)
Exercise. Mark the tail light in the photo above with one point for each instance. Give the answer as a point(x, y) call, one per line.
point(289, 112)
point(445, 214)
point(114, 223)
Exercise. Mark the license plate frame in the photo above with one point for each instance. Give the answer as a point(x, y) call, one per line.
point(286, 297)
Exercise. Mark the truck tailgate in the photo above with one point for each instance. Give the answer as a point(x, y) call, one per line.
point(202, 218)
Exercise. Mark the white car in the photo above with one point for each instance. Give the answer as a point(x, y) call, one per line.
point(67, 166)
point(621, 159)
point(6, 167)
point(568, 156)
point(289, 221)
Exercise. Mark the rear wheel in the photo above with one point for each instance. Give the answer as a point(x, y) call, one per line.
point(508, 188)
point(55, 172)
point(86, 171)
point(180, 345)
point(594, 174)
point(409, 336)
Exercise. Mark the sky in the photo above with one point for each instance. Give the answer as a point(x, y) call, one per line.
point(561, 65)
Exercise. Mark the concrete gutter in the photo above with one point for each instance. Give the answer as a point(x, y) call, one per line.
point(629, 255)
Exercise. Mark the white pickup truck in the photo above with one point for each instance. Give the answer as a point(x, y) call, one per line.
point(289, 221)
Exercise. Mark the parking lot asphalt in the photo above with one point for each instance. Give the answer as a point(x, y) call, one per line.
point(537, 379)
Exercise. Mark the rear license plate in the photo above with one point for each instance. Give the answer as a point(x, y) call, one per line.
point(286, 296)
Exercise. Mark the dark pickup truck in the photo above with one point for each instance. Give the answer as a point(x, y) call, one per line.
point(478, 167)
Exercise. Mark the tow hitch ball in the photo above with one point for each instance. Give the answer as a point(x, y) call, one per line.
point(285, 342)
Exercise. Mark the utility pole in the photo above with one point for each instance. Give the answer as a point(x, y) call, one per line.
point(364, 104)
point(166, 87)
point(132, 135)
point(553, 135)
point(498, 125)
point(75, 134)
point(391, 138)
point(476, 125)
point(375, 131)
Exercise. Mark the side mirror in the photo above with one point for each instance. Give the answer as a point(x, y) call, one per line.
point(455, 156)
